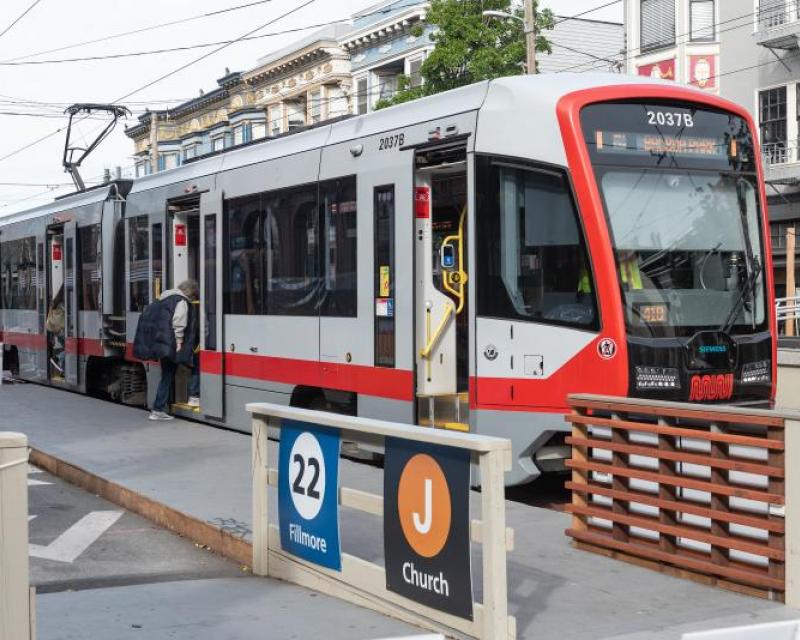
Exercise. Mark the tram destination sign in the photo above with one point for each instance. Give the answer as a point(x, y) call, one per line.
point(658, 144)
point(426, 525)
point(308, 493)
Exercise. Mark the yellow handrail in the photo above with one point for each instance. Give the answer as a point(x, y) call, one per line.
point(426, 352)
point(457, 277)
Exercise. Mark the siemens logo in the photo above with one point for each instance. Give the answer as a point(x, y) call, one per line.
point(713, 348)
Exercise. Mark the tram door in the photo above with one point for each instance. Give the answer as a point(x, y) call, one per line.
point(441, 281)
point(183, 254)
point(55, 340)
point(42, 366)
point(71, 304)
point(211, 339)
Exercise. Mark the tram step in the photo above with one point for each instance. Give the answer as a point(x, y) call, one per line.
point(445, 424)
point(185, 407)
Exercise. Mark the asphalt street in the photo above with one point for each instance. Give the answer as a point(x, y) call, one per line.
point(102, 572)
point(85, 542)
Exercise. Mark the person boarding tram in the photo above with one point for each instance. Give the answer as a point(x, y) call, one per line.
point(168, 332)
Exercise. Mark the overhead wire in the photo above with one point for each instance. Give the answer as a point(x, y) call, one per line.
point(202, 45)
point(628, 55)
point(164, 76)
point(227, 43)
point(19, 17)
point(131, 32)
point(147, 85)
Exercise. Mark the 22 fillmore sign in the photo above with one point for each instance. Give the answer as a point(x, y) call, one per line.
point(426, 525)
point(308, 493)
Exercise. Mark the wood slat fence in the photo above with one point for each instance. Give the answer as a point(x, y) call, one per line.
point(698, 491)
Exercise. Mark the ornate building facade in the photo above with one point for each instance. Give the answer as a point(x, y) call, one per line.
point(291, 88)
point(386, 41)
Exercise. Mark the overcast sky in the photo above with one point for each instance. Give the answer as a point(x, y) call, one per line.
point(47, 88)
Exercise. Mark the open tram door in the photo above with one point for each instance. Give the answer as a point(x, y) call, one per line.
point(183, 263)
point(441, 281)
point(61, 315)
point(71, 315)
point(211, 342)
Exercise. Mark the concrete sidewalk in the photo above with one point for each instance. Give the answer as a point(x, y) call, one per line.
point(230, 608)
point(204, 472)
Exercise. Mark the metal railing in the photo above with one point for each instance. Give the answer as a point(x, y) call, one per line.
point(778, 153)
point(774, 13)
point(788, 309)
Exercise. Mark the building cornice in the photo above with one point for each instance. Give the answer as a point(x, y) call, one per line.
point(385, 29)
point(313, 54)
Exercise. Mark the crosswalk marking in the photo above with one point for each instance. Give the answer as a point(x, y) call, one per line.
point(78, 538)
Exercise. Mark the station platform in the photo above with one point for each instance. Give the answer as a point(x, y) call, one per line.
point(203, 474)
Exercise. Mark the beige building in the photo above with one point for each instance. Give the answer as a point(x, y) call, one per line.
point(294, 87)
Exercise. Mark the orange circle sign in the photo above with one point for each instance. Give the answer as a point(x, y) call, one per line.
point(423, 503)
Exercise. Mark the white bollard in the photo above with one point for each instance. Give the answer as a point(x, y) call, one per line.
point(15, 613)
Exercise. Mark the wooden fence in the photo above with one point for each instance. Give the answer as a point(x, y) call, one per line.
point(698, 491)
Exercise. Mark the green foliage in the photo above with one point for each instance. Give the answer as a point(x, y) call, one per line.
point(471, 48)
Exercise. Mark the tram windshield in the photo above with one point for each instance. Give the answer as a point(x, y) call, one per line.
point(682, 202)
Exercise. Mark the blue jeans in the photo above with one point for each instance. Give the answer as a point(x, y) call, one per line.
point(194, 380)
point(168, 369)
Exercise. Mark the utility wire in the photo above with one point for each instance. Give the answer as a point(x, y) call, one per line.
point(20, 17)
point(628, 55)
point(150, 52)
point(217, 50)
point(35, 184)
point(140, 30)
point(583, 13)
point(202, 45)
point(162, 77)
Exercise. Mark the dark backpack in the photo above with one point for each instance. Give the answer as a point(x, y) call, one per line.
point(155, 338)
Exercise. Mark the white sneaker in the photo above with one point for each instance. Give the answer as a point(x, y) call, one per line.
point(193, 401)
point(160, 415)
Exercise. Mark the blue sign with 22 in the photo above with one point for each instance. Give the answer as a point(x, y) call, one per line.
point(308, 493)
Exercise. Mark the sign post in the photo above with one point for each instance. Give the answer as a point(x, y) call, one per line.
point(308, 493)
point(426, 525)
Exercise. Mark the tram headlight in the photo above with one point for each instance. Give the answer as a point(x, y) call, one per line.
point(657, 378)
point(756, 372)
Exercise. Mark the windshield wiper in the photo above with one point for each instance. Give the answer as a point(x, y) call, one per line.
point(749, 286)
point(752, 263)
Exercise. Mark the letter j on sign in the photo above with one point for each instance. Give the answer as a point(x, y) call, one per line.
point(426, 525)
point(308, 492)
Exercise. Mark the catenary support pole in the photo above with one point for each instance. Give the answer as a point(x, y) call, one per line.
point(530, 35)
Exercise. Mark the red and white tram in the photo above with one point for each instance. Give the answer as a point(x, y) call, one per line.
point(463, 261)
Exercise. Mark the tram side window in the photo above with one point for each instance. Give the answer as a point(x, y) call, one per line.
point(290, 251)
point(384, 290)
point(243, 294)
point(139, 256)
point(532, 258)
point(210, 275)
point(157, 240)
point(19, 274)
point(339, 247)
point(89, 292)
